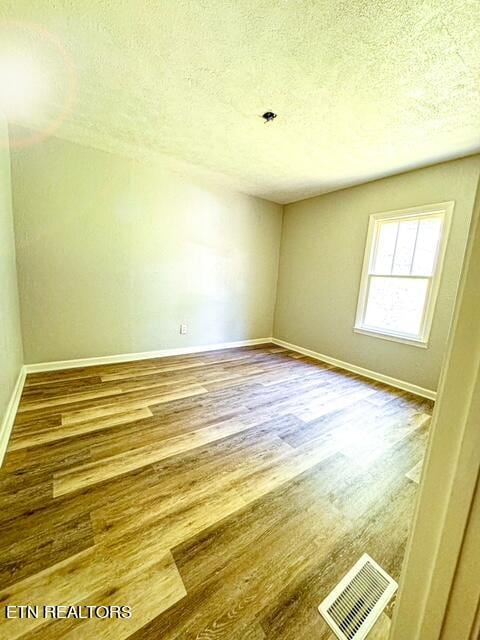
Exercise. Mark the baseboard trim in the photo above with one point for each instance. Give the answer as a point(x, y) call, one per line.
point(379, 377)
point(11, 412)
point(9, 418)
point(144, 355)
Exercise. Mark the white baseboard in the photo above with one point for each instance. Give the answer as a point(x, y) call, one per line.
point(11, 412)
point(9, 418)
point(379, 377)
point(144, 355)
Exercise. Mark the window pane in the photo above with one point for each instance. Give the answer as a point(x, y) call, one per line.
point(407, 232)
point(386, 239)
point(396, 304)
point(426, 247)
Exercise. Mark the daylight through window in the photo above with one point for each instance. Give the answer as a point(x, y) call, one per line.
point(401, 273)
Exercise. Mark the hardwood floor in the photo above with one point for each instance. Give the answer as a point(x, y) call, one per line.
point(219, 495)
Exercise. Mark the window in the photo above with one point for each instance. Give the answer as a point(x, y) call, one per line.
point(401, 272)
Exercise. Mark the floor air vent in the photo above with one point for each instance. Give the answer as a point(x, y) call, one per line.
point(352, 608)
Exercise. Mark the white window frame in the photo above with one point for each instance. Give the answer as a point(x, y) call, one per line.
point(443, 209)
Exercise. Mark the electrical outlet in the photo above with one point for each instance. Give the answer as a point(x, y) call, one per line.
point(183, 329)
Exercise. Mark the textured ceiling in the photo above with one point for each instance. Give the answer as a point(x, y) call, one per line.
point(362, 88)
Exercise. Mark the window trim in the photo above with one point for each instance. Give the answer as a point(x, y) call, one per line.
point(445, 209)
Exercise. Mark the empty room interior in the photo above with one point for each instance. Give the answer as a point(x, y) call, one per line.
point(240, 320)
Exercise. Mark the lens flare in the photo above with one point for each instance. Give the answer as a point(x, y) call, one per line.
point(28, 74)
point(20, 86)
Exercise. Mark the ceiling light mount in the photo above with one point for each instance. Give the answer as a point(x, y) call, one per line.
point(269, 116)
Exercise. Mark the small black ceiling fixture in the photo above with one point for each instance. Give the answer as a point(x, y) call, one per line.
point(269, 116)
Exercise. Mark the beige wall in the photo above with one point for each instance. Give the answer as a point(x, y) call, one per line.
point(11, 354)
point(113, 255)
point(323, 242)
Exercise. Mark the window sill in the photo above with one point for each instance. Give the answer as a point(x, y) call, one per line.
point(392, 337)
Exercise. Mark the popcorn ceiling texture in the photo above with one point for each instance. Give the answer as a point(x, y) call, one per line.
point(362, 88)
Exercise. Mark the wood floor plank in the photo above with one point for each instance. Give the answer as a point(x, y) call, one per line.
point(82, 415)
point(149, 592)
point(31, 405)
point(32, 437)
point(93, 576)
point(379, 533)
point(220, 495)
point(232, 569)
point(105, 468)
point(168, 368)
point(37, 549)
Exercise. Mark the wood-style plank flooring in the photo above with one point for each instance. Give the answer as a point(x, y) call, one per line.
point(219, 495)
